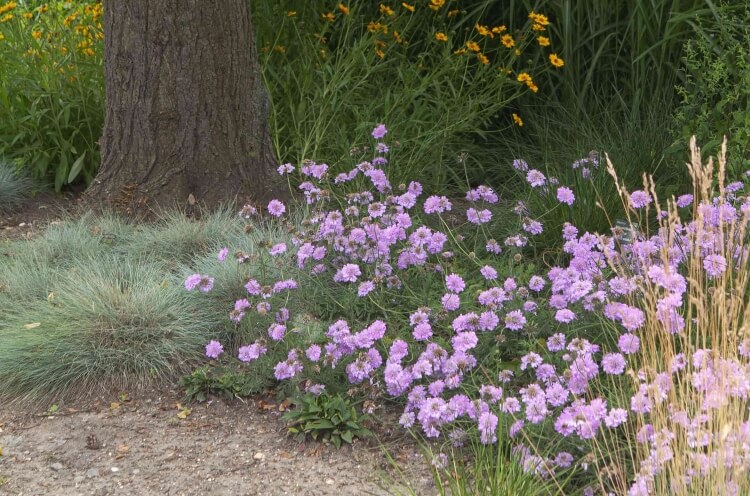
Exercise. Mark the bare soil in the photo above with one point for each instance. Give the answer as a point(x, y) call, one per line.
point(146, 446)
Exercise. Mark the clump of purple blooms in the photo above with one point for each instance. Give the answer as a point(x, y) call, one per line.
point(375, 245)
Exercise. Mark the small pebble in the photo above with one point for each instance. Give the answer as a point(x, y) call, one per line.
point(56, 466)
point(259, 456)
point(115, 469)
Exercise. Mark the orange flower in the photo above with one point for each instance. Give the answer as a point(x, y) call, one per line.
point(517, 120)
point(408, 7)
point(343, 8)
point(440, 36)
point(386, 10)
point(543, 41)
point(473, 46)
point(436, 4)
point(328, 16)
point(483, 58)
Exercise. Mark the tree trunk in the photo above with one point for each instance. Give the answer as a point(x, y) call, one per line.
point(186, 116)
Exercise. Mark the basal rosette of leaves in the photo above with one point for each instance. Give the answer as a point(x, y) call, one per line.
point(601, 360)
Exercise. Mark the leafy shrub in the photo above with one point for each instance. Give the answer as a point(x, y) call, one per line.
point(715, 94)
point(51, 88)
point(326, 418)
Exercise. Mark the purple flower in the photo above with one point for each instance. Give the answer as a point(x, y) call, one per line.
point(487, 424)
point(436, 205)
point(285, 169)
point(565, 316)
point(615, 417)
point(379, 131)
point(629, 343)
point(277, 331)
point(223, 254)
point(535, 178)
point(478, 216)
point(276, 208)
point(715, 265)
point(536, 283)
point(556, 342)
point(684, 200)
point(565, 195)
point(192, 281)
point(313, 353)
point(454, 283)
point(521, 165)
point(451, 302)
point(365, 288)
point(422, 331)
point(613, 363)
point(214, 349)
point(639, 199)
point(348, 273)
point(488, 273)
point(277, 249)
point(251, 352)
point(533, 227)
point(515, 320)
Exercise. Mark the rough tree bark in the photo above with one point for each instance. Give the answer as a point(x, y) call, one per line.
point(186, 115)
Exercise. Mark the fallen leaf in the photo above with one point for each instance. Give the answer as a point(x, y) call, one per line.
point(284, 405)
point(114, 406)
point(51, 297)
point(184, 413)
point(263, 405)
point(32, 326)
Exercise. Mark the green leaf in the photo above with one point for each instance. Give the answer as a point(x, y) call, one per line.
point(347, 436)
point(76, 168)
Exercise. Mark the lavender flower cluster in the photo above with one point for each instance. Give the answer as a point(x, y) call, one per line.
point(381, 234)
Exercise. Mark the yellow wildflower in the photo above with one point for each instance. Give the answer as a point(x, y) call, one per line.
point(517, 119)
point(555, 60)
point(543, 41)
point(440, 36)
point(280, 48)
point(44, 8)
point(517, 52)
point(539, 18)
point(453, 12)
point(483, 30)
point(343, 8)
point(499, 29)
point(508, 41)
point(436, 4)
point(28, 15)
point(523, 77)
point(89, 52)
point(460, 51)
point(483, 58)
point(37, 35)
point(386, 10)
point(473, 46)
point(6, 18)
point(2, 36)
point(408, 7)
point(328, 16)
point(397, 37)
point(8, 7)
point(379, 53)
point(537, 27)
point(291, 13)
point(374, 27)
point(532, 87)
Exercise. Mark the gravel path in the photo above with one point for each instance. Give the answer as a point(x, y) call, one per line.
point(143, 447)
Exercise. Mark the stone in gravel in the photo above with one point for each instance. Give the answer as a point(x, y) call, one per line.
point(56, 466)
point(79, 478)
point(259, 456)
point(92, 472)
point(136, 471)
point(115, 469)
point(329, 482)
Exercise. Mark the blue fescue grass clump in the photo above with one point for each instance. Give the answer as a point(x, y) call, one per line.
point(98, 303)
point(14, 187)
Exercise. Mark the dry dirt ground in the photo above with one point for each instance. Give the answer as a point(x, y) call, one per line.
point(146, 446)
